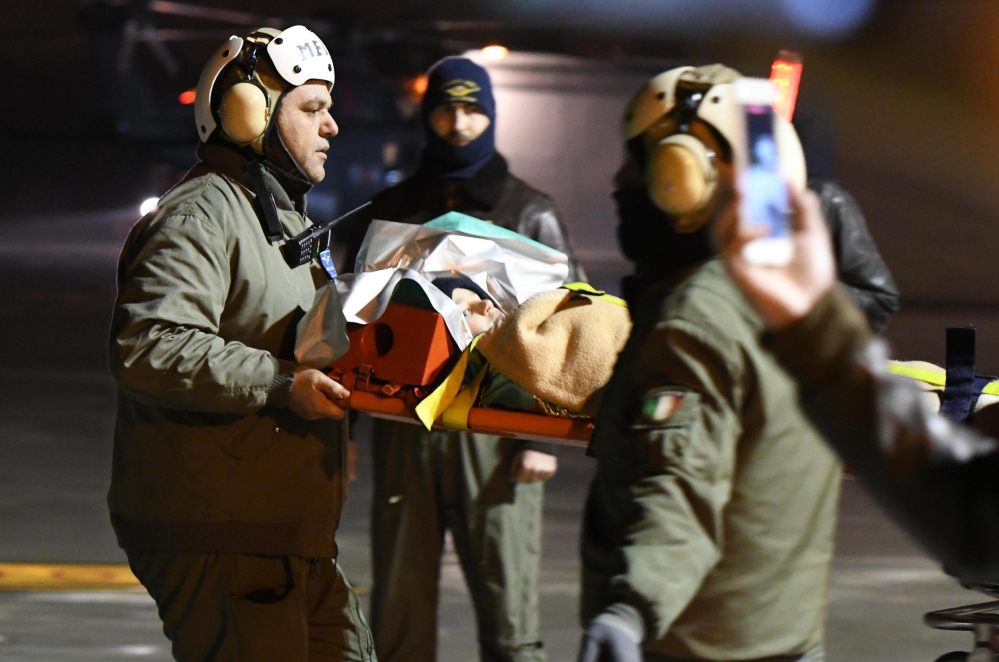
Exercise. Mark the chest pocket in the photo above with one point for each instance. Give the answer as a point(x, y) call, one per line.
point(669, 435)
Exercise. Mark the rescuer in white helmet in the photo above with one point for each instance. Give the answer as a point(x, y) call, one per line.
point(228, 474)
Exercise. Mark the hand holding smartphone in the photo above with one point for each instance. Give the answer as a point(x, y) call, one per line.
point(763, 190)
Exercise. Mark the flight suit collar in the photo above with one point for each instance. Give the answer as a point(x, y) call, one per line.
point(648, 282)
point(289, 192)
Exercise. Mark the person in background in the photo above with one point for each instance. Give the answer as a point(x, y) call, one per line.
point(861, 271)
point(485, 490)
point(227, 480)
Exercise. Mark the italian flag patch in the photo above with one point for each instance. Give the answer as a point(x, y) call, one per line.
point(660, 405)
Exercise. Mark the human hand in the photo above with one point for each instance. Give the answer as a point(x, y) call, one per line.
point(603, 642)
point(313, 395)
point(530, 466)
point(780, 294)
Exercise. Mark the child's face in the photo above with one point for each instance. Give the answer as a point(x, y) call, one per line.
point(480, 314)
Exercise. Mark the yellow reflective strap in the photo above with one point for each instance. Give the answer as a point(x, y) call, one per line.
point(928, 376)
point(432, 406)
point(456, 415)
point(586, 288)
point(935, 378)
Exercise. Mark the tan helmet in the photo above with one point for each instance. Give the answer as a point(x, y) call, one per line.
point(680, 170)
point(268, 62)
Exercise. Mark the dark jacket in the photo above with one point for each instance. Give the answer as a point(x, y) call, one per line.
point(861, 269)
point(207, 456)
point(938, 479)
point(492, 194)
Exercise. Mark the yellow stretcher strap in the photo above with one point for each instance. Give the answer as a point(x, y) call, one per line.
point(432, 406)
point(928, 376)
point(456, 415)
point(934, 378)
point(586, 288)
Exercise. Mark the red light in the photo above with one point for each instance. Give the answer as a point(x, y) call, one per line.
point(785, 74)
point(420, 84)
point(187, 97)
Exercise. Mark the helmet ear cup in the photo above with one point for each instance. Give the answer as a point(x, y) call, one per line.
point(680, 175)
point(243, 112)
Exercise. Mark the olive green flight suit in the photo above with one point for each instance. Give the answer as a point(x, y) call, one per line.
point(429, 482)
point(709, 525)
point(225, 501)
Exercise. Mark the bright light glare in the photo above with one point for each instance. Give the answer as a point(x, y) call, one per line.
point(187, 97)
point(139, 650)
point(785, 74)
point(148, 205)
point(495, 52)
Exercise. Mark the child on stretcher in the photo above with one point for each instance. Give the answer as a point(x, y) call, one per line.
point(552, 354)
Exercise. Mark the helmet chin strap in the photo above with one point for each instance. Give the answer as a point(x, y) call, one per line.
point(277, 153)
point(282, 167)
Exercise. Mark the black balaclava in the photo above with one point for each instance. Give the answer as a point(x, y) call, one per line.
point(448, 284)
point(458, 80)
point(647, 238)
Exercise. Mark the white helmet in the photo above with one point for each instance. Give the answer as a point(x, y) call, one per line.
point(680, 170)
point(269, 62)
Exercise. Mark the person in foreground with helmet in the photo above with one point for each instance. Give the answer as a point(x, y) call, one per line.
point(708, 529)
point(937, 478)
point(486, 490)
point(227, 480)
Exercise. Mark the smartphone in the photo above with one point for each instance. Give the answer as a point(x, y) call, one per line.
point(760, 178)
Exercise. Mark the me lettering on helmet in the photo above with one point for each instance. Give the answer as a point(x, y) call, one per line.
point(227, 480)
point(708, 529)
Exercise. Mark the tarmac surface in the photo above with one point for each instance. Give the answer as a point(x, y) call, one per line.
point(56, 422)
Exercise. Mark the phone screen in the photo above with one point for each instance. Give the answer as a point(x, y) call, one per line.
point(764, 193)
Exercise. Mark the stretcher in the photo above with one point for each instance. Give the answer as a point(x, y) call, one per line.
point(397, 361)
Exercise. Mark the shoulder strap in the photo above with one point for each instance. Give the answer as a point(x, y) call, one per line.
point(266, 206)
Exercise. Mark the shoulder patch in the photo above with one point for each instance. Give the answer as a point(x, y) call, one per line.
point(667, 406)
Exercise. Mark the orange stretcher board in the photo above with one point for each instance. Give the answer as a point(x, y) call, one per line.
point(485, 420)
point(407, 349)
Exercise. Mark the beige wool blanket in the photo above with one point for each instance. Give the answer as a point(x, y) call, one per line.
point(560, 346)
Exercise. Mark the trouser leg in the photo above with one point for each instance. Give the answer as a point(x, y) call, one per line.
point(241, 608)
point(337, 629)
point(496, 527)
point(407, 542)
point(227, 607)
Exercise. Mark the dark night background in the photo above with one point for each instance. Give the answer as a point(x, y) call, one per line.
point(899, 101)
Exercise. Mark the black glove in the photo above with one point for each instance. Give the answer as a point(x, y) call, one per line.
point(603, 642)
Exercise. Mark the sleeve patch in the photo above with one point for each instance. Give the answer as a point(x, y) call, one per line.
point(666, 407)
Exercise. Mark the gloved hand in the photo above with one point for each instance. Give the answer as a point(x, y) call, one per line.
point(603, 642)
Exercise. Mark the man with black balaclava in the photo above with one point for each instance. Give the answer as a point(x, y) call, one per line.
point(228, 472)
point(708, 529)
point(486, 490)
